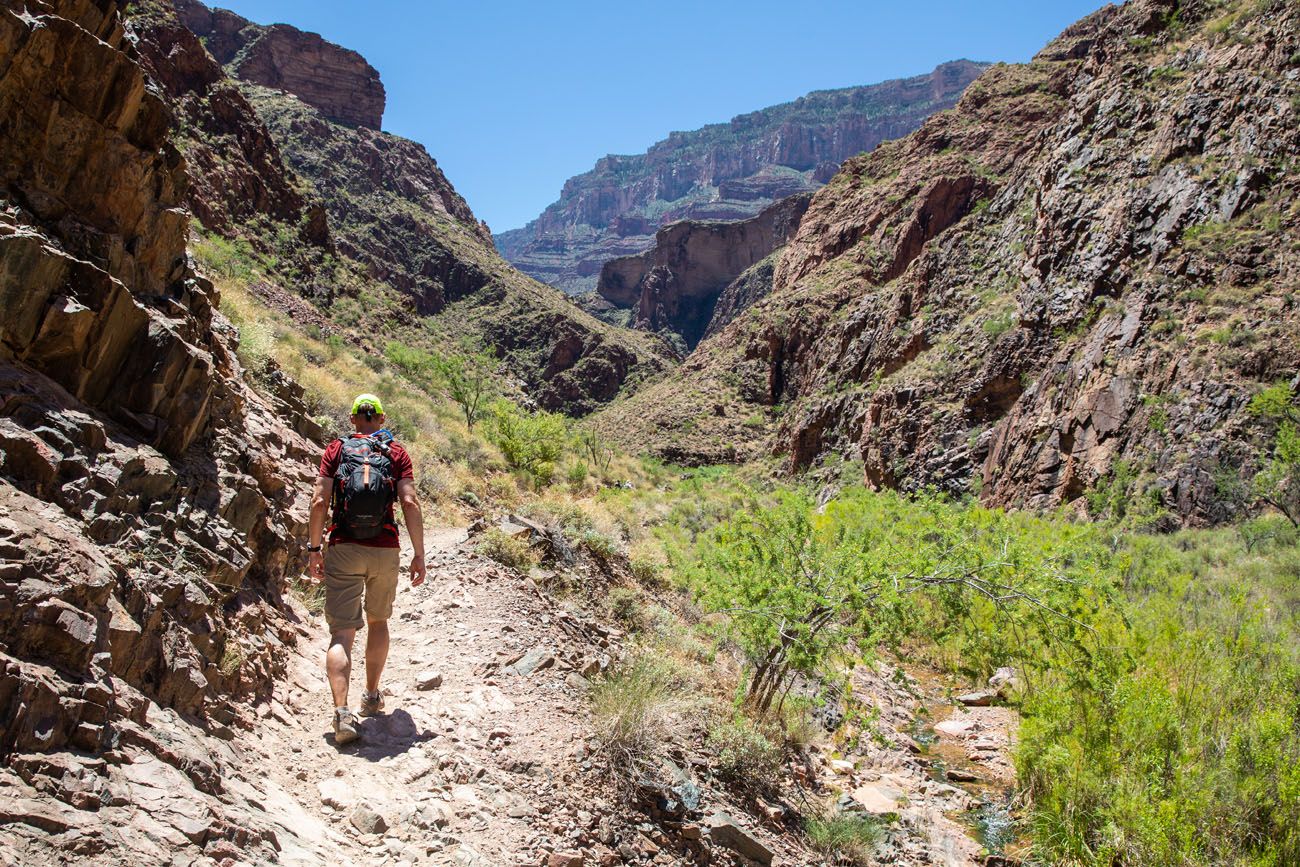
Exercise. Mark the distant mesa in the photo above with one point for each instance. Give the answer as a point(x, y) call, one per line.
point(723, 172)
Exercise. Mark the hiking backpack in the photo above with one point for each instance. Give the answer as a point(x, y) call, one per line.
point(364, 489)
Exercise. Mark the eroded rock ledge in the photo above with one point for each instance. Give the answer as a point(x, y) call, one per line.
point(336, 80)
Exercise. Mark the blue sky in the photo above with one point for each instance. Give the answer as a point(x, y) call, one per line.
point(512, 98)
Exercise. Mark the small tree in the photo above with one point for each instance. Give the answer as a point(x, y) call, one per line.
point(1278, 483)
point(467, 378)
point(599, 452)
point(802, 587)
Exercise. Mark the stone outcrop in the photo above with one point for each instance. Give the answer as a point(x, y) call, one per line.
point(236, 171)
point(1073, 281)
point(727, 171)
point(675, 285)
point(386, 198)
point(149, 500)
point(334, 79)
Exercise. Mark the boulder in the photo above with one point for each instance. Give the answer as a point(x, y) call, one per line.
point(878, 799)
point(726, 831)
point(979, 698)
point(367, 819)
point(956, 728)
point(1004, 681)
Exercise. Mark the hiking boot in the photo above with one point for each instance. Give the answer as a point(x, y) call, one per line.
point(372, 704)
point(346, 726)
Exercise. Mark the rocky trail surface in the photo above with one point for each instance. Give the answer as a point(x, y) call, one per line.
point(475, 760)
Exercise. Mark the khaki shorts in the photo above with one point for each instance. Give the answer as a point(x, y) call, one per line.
point(356, 572)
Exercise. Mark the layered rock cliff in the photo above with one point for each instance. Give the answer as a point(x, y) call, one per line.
point(675, 286)
point(1073, 281)
point(337, 81)
point(726, 171)
point(149, 500)
point(354, 212)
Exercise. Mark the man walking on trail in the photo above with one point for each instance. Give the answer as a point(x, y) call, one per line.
point(361, 476)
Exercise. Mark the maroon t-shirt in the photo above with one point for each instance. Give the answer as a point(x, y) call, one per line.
point(402, 469)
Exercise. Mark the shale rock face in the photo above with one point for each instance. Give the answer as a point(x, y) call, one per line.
point(236, 171)
point(675, 285)
point(727, 171)
point(148, 499)
point(334, 79)
point(1074, 280)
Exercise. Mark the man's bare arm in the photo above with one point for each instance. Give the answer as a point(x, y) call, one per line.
point(414, 527)
point(320, 506)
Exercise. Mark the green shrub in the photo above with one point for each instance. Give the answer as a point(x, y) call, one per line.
point(802, 585)
point(846, 837)
point(530, 442)
point(1278, 483)
point(744, 755)
point(637, 710)
point(577, 476)
point(1177, 741)
point(598, 543)
point(999, 325)
point(625, 606)
point(416, 364)
point(647, 571)
point(468, 379)
point(512, 551)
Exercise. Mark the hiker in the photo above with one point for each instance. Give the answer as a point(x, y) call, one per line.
point(360, 478)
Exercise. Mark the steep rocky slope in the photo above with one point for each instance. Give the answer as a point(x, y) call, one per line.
point(674, 286)
point(364, 223)
point(725, 171)
point(150, 502)
point(1074, 280)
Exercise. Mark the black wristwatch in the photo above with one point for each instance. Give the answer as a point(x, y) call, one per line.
point(315, 549)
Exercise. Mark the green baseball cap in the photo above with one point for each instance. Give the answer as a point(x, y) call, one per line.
point(363, 399)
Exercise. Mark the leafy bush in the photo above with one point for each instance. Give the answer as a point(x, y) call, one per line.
point(507, 550)
point(999, 325)
point(646, 569)
point(1278, 483)
point(598, 543)
point(1177, 741)
point(744, 755)
point(468, 379)
point(577, 476)
point(530, 442)
point(416, 364)
point(625, 606)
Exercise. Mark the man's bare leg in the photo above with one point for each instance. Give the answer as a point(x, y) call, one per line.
point(338, 664)
point(376, 652)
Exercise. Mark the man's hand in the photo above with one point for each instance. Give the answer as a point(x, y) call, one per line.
point(315, 567)
point(418, 570)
